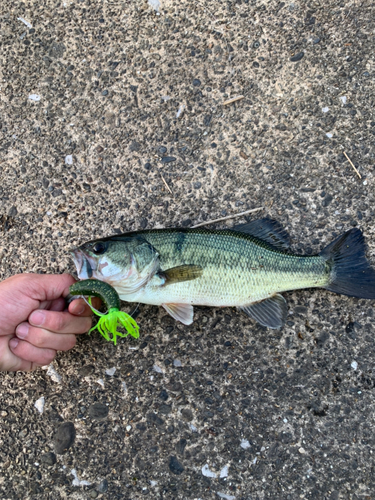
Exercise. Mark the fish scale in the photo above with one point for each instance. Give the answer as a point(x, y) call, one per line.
point(237, 268)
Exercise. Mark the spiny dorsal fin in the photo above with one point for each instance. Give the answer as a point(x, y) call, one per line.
point(270, 312)
point(182, 273)
point(268, 230)
point(180, 312)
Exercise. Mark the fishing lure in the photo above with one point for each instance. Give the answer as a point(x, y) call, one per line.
point(109, 322)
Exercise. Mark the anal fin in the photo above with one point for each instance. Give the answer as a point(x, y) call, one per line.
point(181, 312)
point(271, 312)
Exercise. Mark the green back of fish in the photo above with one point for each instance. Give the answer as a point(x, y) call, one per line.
point(238, 268)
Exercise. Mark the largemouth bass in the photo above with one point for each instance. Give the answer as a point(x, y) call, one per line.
point(246, 267)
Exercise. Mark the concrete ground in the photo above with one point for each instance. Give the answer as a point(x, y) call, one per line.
point(112, 119)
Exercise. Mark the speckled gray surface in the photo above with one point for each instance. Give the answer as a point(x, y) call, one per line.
point(90, 92)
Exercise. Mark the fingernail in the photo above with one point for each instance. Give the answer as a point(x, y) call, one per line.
point(37, 318)
point(13, 343)
point(80, 310)
point(22, 330)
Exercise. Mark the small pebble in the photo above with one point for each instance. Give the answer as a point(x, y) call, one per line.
point(110, 371)
point(39, 404)
point(51, 372)
point(196, 82)
point(155, 4)
point(103, 486)
point(29, 25)
point(175, 466)
point(168, 159)
point(327, 200)
point(77, 481)
point(143, 223)
point(297, 57)
point(163, 395)
point(12, 211)
point(245, 444)
point(98, 411)
point(207, 472)
point(180, 110)
point(180, 446)
point(64, 437)
point(224, 496)
point(100, 381)
point(86, 370)
point(48, 458)
point(354, 365)
point(224, 472)
point(187, 414)
point(134, 146)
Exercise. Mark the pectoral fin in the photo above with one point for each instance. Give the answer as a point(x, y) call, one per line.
point(270, 312)
point(180, 312)
point(182, 273)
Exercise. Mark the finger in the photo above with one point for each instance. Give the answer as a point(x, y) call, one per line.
point(80, 308)
point(43, 287)
point(53, 305)
point(59, 322)
point(30, 353)
point(45, 339)
point(57, 305)
point(9, 362)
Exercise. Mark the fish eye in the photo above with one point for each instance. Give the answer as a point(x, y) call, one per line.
point(99, 248)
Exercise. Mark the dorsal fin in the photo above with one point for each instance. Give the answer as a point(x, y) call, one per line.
point(268, 230)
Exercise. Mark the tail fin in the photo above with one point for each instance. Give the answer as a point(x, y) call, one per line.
point(351, 274)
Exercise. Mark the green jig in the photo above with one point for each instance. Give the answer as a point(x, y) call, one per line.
point(109, 322)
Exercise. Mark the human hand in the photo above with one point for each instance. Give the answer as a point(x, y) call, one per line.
point(34, 321)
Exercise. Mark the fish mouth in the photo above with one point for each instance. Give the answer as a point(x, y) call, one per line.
point(83, 266)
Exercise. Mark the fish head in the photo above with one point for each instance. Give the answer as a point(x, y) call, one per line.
point(123, 262)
